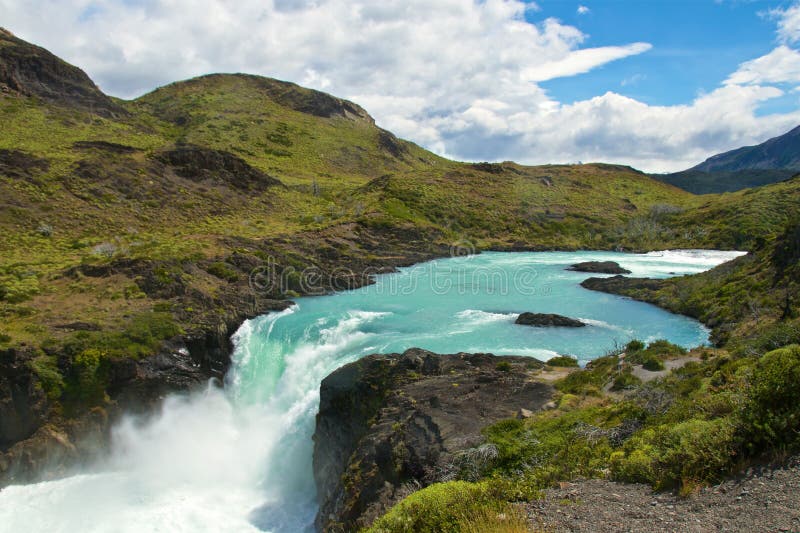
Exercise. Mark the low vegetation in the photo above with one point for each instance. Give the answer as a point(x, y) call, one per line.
point(453, 507)
point(698, 424)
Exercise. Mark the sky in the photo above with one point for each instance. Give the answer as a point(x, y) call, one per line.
point(658, 85)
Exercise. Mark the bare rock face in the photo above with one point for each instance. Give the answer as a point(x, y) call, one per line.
point(548, 320)
point(199, 164)
point(599, 267)
point(29, 70)
point(389, 420)
point(23, 403)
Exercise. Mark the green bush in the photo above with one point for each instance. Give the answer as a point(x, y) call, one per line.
point(443, 508)
point(223, 271)
point(652, 357)
point(652, 363)
point(591, 379)
point(18, 288)
point(634, 346)
point(503, 366)
point(140, 337)
point(772, 411)
point(46, 368)
point(664, 348)
point(625, 380)
point(672, 455)
point(770, 338)
point(563, 361)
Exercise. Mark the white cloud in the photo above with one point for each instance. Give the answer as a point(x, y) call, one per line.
point(779, 66)
point(583, 10)
point(788, 23)
point(459, 77)
point(581, 61)
point(633, 80)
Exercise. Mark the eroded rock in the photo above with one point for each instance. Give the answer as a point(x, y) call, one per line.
point(389, 420)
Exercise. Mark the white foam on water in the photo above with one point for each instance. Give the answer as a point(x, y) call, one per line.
point(477, 317)
point(605, 325)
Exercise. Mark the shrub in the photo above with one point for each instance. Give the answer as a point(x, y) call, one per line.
point(18, 287)
point(503, 366)
point(772, 411)
point(652, 363)
point(652, 357)
point(771, 338)
point(46, 368)
point(455, 506)
point(591, 379)
point(664, 348)
point(672, 455)
point(625, 380)
point(223, 271)
point(634, 346)
point(563, 361)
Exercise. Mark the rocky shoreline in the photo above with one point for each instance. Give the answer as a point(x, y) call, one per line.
point(390, 424)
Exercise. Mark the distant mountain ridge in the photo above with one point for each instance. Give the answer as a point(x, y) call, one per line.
point(750, 166)
point(782, 152)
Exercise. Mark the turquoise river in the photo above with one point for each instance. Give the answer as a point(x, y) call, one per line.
point(239, 458)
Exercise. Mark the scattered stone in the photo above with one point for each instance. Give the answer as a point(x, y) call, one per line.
point(524, 413)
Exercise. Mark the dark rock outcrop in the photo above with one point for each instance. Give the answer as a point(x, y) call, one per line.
point(599, 267)
point(548, 320)
point(16, 164)
point(391, 144)
point(23, 403)
point(200, 164)
point(105, 146)
point(389, 420)
point(622, 285)
point(29, 70)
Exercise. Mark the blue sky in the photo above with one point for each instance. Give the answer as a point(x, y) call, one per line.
point(658, 85)
point(696, 45)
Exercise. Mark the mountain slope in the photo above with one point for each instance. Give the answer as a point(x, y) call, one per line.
point(33, 71)
point(781, 152)
point(771, 161)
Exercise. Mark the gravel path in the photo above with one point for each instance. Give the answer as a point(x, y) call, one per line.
point(764, 499)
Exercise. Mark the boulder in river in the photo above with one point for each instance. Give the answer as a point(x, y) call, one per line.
point(548, 320)
point(599, 267)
